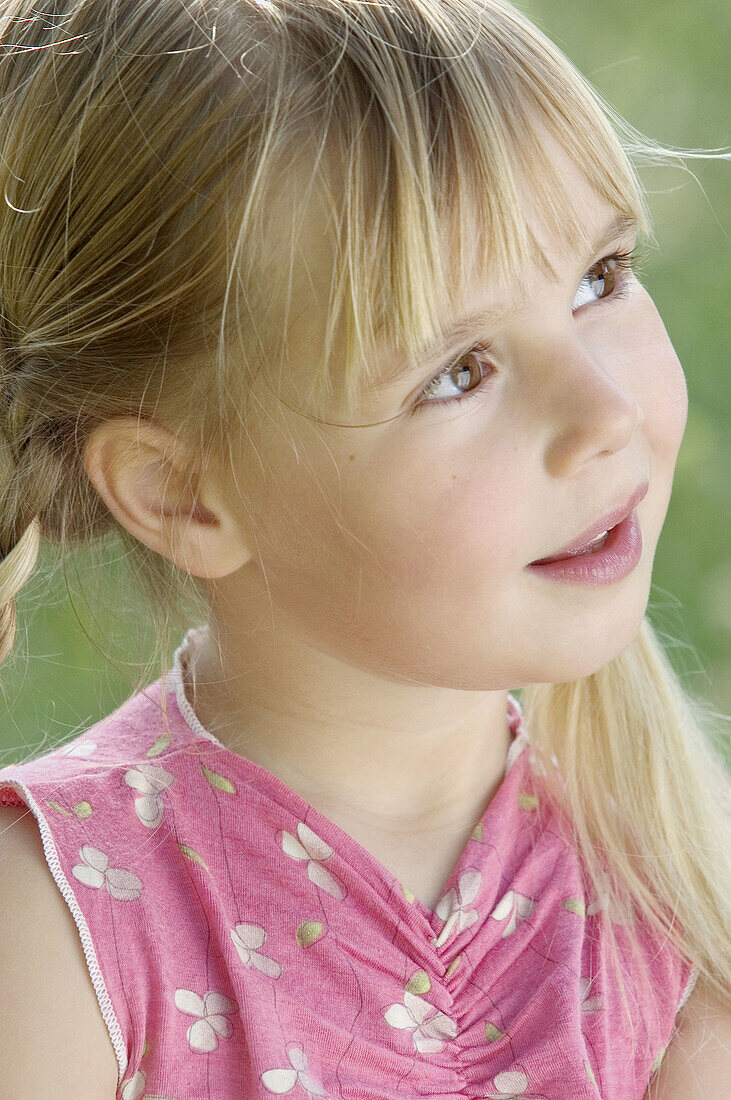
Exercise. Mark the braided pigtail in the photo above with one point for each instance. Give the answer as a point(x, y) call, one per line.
point(19, 525)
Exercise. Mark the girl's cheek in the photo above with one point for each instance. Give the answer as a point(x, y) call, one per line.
point(664, 396)
point(678, 411)
point(457, 527)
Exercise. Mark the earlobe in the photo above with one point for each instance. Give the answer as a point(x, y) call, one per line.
point(152, 488)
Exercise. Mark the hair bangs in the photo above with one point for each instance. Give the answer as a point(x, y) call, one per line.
point(439, 115)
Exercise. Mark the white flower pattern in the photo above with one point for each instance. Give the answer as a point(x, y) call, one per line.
point(453, 907)
point(247, 937)
point(149, 780)
point(314, 849)
point(84, 749)
point(134, 1089)
point(511, 1085)
point(284, 1080)
point(429, 1035)
point(593, 1004)
point(95, 871)
point(605, 900)
point(213, 1021)
point(514, 905)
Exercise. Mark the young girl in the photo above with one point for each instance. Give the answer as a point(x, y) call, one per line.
point(327, 309)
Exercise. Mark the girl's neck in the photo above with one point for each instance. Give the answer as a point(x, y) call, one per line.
point(407, 779)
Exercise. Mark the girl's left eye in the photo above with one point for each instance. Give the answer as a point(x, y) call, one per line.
point(617, 277)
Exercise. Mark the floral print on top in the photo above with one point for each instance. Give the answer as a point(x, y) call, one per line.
point(241, 944)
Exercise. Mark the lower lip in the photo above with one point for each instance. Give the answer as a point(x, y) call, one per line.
point(617, 558)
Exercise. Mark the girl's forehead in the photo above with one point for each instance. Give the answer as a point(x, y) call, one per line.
point(566, 220)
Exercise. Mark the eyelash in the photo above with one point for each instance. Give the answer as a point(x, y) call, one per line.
point(624, 266)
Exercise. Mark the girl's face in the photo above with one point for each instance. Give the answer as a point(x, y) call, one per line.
point(403, 547)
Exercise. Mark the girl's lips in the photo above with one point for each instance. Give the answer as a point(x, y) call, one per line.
point(604, 523)
point(619, 555)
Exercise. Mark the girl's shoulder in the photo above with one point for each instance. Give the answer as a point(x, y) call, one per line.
point(49, 998)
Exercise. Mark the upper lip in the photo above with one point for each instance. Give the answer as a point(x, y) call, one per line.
point(604, 523)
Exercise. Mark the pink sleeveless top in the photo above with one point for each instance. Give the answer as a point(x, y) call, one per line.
point(241, 944)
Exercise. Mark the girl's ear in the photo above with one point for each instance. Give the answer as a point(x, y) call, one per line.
point(152, 485)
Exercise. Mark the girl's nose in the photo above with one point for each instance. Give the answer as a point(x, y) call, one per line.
point(592, 414)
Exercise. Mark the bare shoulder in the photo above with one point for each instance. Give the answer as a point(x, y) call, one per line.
point(53, 1039)
point(697, 1063)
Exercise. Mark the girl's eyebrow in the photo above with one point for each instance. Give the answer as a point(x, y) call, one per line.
point(461, 328)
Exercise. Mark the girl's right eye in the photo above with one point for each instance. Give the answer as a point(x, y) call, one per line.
point(460, 373)
point(615, 271)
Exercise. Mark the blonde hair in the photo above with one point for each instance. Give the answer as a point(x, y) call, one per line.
point(143, 146)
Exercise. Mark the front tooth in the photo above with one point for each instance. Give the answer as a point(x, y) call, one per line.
point(589, 546)
point(597, 540)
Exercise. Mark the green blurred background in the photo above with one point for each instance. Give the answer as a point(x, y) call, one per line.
point(663, 65)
